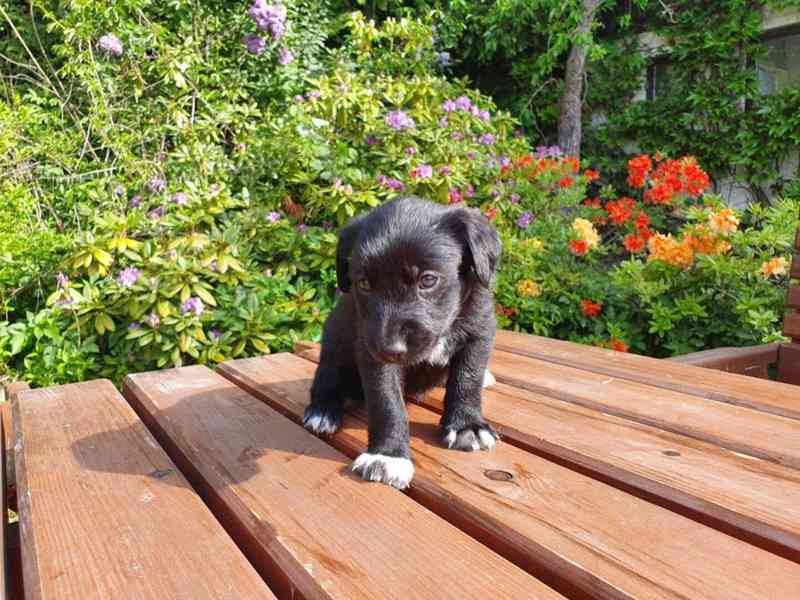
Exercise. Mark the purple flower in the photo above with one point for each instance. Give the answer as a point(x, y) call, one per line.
point(327, 225)
point(487, 139)
point(269, 17)
point(391, 183)
point(548, 152)
point(422, 172)
point(463, 103)
point(471, 155)
point(398, 120)
point(504, 161)
point(410, 151)
point(454, 196)
point(445, 170)
point(214, 266)
point(302, 228)
point(193, 305)
point(134, 326)
point(128, 276)
point(443, 59)
point(495, 194)
point(157, 213)
point(443, 123)
point(469, 191)
point(254, 43)
point(518, 132)
point(180, 198)
point(65, 302)
point(456, 136)
point(448, 106)
point(110, 44)
point(514, 199)
point(313, 95)
point(156, 184)
point(62, 280)
point(474, 110)
point(371, 140)
point(299, 99)
point(525, 219)
point(215, 334)
point(136, 201)
point(273, 216)
point(119, 191)
point(172, 255)
point(152, 320)
point(285, 56)
point(484, 115)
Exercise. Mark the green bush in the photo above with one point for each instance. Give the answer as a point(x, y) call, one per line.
point(181, 204)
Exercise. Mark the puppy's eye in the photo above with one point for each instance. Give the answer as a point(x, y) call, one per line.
point(364, 286)
point(428, 280)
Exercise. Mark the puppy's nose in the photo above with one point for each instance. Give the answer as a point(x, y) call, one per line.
point(394, 351)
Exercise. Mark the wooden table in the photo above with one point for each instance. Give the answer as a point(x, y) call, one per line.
point(618, 477)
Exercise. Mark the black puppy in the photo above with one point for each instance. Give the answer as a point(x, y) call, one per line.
point(418, 311)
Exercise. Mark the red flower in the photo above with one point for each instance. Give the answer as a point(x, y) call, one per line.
point(620, 210)
point(591, 309)
point(618, 345)
point(642, 221)
point(634, 243)
point(565, 182)
point(638, 168)
point(573, 163)
point(579, 247)
point(592, 203)
point(591, 174)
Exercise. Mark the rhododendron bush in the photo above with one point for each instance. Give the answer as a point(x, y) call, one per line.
point(187, 196)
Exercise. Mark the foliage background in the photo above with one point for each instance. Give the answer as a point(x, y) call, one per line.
point(179, 203)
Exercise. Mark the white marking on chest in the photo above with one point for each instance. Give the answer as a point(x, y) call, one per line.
point(440, 355)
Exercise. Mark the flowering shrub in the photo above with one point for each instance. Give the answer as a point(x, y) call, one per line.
point(191, 209)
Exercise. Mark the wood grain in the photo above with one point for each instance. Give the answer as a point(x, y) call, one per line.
point(795, 270)
point(789, 364)
point(753, 361)
point(767, 396)
point(744, 430)
point(791, 326)
point(105, 514)
point(305, 519)
point(545, 517)
point(4, 551)
point(745, 497)
point(793, 297)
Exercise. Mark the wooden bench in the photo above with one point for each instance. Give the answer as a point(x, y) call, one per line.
point(757, 360)
point(618, 477)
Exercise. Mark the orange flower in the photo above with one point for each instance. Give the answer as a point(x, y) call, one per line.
point(634, 243)
point(591, 309)
point(572, 163)
point(579, 247)
point(665, 248)
point(565, 182)
point(638, 168)
point(621, 210)
point(724, 221)
point(490, 212)
point(591, 174)
point(774, 267)
point(618, 345)
point(592, 203)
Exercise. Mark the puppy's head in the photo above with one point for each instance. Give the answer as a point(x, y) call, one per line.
point(410, 265)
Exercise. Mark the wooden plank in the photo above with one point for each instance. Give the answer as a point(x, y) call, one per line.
point(545, 516)
point(793, 297)
point(753, 361)
point(789, 364)
point(104, 513)
point(767, 396)
point(744, 430)
point(4, 551)
point(791, 326)
point(307, 521)
point(746, 496)
point(797, 240)
point(795, 269)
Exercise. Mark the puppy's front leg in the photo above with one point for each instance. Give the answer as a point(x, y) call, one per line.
point(463, 425)
point(388, 457)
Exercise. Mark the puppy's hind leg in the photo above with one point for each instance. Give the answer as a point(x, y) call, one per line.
point(324, 414)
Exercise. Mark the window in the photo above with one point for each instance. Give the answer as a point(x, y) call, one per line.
point(659, 79)
point(779, 68)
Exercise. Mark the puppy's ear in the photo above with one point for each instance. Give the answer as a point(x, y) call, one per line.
point(344, 248)
point(481, 243)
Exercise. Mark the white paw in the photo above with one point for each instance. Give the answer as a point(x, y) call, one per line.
point(488, 379)
point(391, 470)
point(322, 421)
point(469, 441)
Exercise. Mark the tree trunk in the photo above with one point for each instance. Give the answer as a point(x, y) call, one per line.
point(569, 122)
